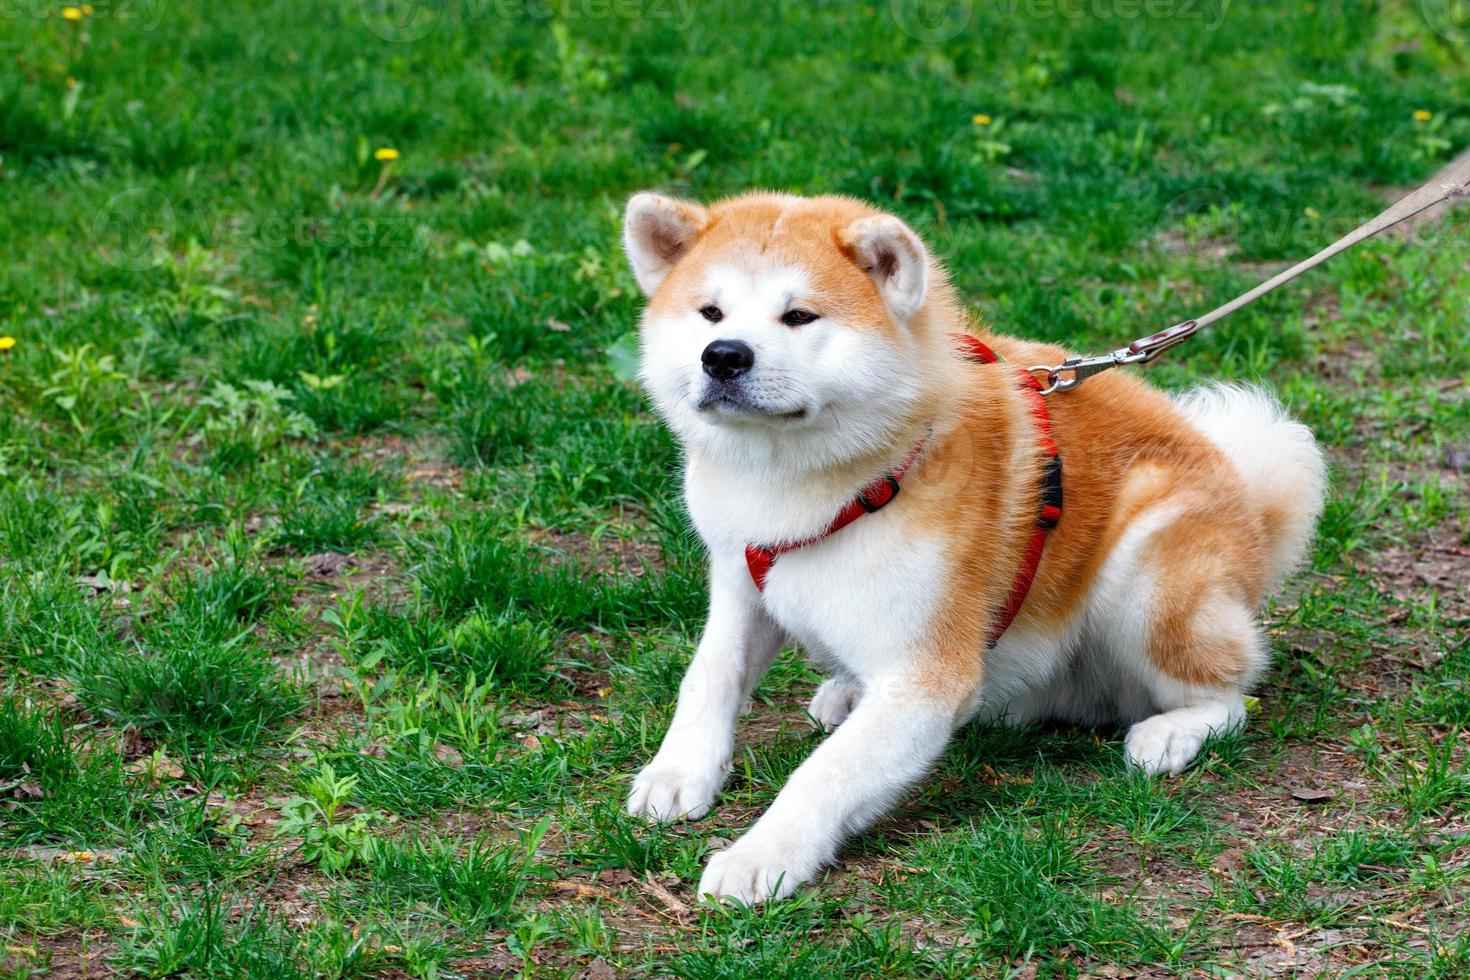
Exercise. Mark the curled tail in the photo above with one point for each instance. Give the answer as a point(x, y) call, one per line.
point(1277, 456)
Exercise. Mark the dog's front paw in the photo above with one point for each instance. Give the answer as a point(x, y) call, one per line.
point(753, 872)
point(666, 791)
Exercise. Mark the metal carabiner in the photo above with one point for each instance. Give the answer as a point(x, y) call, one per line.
point(1075, 370)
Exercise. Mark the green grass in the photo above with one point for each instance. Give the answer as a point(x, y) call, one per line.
point(60, 783)
point(193, 669)
point(323, 506)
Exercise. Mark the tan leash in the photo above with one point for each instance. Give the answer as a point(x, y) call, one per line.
point(1450, 183)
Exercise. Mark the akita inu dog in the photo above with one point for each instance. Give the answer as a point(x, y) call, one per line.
point(884, 484)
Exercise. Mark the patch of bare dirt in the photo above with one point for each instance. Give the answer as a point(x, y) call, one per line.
point(76, 955)
point(1435, 561)
point(630, 551)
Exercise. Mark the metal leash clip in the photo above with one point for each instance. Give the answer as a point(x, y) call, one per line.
point(1075, 370)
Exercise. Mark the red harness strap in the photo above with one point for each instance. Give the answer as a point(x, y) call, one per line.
point(1050, 513)
point(881, 491)
point(874, 497)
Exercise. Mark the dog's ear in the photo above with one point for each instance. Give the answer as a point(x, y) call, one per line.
point(892, 254)
point(657, 232)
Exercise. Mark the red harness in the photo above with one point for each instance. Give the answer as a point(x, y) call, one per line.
point(876, 495)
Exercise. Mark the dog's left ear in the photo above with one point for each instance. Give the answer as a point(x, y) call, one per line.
point(657, 232)
point(892, 254)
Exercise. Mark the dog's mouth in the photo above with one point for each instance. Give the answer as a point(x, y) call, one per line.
point(733, 401)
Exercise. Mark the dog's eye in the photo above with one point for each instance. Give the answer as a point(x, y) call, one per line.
point(797, 318)
point(712, 313)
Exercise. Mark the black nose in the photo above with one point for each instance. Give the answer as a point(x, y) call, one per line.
point(725, 360)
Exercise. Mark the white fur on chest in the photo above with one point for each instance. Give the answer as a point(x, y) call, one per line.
point(862, 598)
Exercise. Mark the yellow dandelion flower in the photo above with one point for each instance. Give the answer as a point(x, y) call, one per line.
point(1423, 115)
point(88, 9)
point(386, 155)
point(1312, 213)
point(72, 13)
point(6, 343)
point(981, 119)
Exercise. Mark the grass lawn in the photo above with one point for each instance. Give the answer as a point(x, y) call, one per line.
point(344, 582)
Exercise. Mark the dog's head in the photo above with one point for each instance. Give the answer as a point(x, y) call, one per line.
point(779, 326)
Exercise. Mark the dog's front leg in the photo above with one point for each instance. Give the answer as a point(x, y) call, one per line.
point(739, 643)
point(899, 727)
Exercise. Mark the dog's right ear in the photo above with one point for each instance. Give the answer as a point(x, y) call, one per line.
point(657, 232)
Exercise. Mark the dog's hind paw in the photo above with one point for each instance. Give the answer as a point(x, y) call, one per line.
point(1159, 747)
point(833, 702)
point(1167, 743)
